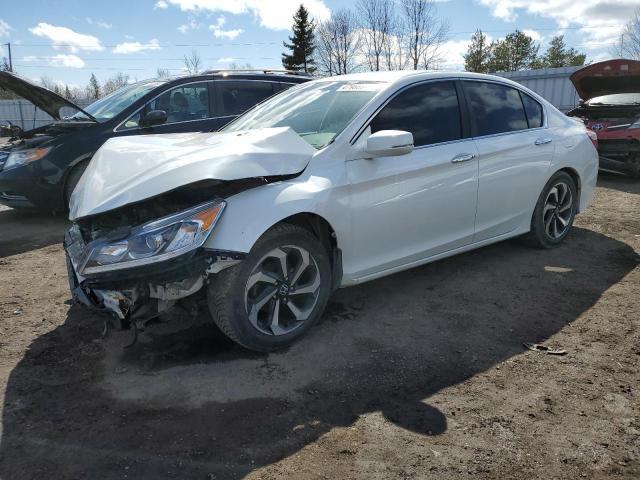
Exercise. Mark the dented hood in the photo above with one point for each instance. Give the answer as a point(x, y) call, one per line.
point(605, 78)
point(129, 169)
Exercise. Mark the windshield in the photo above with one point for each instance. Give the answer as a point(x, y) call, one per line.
point(317, 111)
point(616, 99)
point(108, 107)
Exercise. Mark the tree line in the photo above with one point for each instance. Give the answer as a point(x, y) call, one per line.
point(406, 34)
point(383, 35)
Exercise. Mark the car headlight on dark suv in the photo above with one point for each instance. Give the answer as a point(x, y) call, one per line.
point(22, 157)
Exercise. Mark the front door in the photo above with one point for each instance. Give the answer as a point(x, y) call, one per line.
point(411, 207)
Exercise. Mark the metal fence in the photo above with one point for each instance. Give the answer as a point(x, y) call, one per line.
point(26, 115)
point(553, 84)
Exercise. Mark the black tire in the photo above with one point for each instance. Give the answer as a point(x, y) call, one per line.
point(72, 180)
point(226, 293)
point(632, 166)
point(538, 235)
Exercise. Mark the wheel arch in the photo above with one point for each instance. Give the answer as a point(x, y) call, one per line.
point(573, 173)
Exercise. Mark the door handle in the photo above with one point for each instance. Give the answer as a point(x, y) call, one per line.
point(542, 141)
point(463, 157)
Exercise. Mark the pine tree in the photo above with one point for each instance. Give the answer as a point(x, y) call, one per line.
point(478, 54)
point(94, 87)
point(517, 51)
point(302, 43)
point(557, 55)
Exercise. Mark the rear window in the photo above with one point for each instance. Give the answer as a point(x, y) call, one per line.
point(495, 108)
point(533, 110)
point(237, 97)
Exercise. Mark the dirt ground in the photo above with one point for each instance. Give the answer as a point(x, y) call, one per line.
point(418, 375)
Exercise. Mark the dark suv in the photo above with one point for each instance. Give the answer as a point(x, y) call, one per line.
point(39, 168)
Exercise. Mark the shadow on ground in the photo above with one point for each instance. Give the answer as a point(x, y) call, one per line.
point(618, 182)
point(29, 230)
point(190, 404)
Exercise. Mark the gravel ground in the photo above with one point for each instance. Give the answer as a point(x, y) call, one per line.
point(419, 375)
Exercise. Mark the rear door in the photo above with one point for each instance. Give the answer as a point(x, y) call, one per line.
point(410, 207)
point(515, 150)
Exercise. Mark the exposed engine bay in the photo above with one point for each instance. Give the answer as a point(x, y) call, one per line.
point(146, 291)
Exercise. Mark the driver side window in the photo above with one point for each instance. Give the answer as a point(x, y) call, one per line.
point(183, 103)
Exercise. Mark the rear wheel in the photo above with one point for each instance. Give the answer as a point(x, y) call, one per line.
point(276, 294)
point(632, 166)
point(555, 211)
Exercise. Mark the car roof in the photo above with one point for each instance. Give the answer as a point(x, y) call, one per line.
point(258, 74)
point(408, 76)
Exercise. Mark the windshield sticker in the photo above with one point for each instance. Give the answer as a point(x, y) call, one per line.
point(359, 87)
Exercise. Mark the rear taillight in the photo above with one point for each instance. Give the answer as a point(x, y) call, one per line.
point(594, 138)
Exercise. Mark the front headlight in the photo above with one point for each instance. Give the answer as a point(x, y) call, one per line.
point(22, 157)
point(156, 241)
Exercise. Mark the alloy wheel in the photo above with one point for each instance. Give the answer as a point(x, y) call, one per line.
point(282, 290)
point(558, 210)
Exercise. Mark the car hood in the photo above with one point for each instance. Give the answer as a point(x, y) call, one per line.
point(130, 169)
point(46, 100)
point(605, 78)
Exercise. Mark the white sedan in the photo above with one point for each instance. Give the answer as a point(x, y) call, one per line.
point(329, 184)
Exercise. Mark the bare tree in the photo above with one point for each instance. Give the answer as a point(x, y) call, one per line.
point(192, 62)
point(163, 73)
point(423, 31)
point(377, 21)
point(115, 83)
point(630, 42)
point(244, 66)
point(338, 44)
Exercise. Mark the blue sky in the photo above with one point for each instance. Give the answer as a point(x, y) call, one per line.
point(67, 40)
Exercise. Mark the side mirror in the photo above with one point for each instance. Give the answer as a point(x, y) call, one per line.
point(389, 143)
point(154, 117)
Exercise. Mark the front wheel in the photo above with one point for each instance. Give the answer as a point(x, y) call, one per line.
point(555, 211)
point(276, 294)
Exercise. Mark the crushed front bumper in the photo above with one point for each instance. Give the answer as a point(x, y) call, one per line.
point(141, 293)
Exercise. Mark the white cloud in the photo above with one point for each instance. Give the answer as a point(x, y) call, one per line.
point(276, 17)
point(226, 60)
point(219, 32)
point(63, 60)
point(533, 34)
point(63, 37)
point(452, 54)
point(188, 27)
point(5, 28)
point(30, 58)
point(161, 4)
point(608, 17)
point(98, 23)
point(135, 47)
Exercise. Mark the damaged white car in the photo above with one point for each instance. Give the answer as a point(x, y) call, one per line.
point(331, 183)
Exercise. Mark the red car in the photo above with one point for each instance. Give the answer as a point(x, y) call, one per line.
point(610, 106)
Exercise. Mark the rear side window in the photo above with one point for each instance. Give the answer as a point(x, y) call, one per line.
point(495, 108)
point(237, 96)
point(429, 111)
point(533, 110)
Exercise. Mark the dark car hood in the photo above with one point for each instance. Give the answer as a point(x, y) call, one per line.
point(605, 78)
point(46, 100)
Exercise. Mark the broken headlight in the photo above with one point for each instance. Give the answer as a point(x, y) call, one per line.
point(156, 241)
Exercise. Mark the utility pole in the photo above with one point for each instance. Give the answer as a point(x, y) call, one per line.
point(8, 45)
